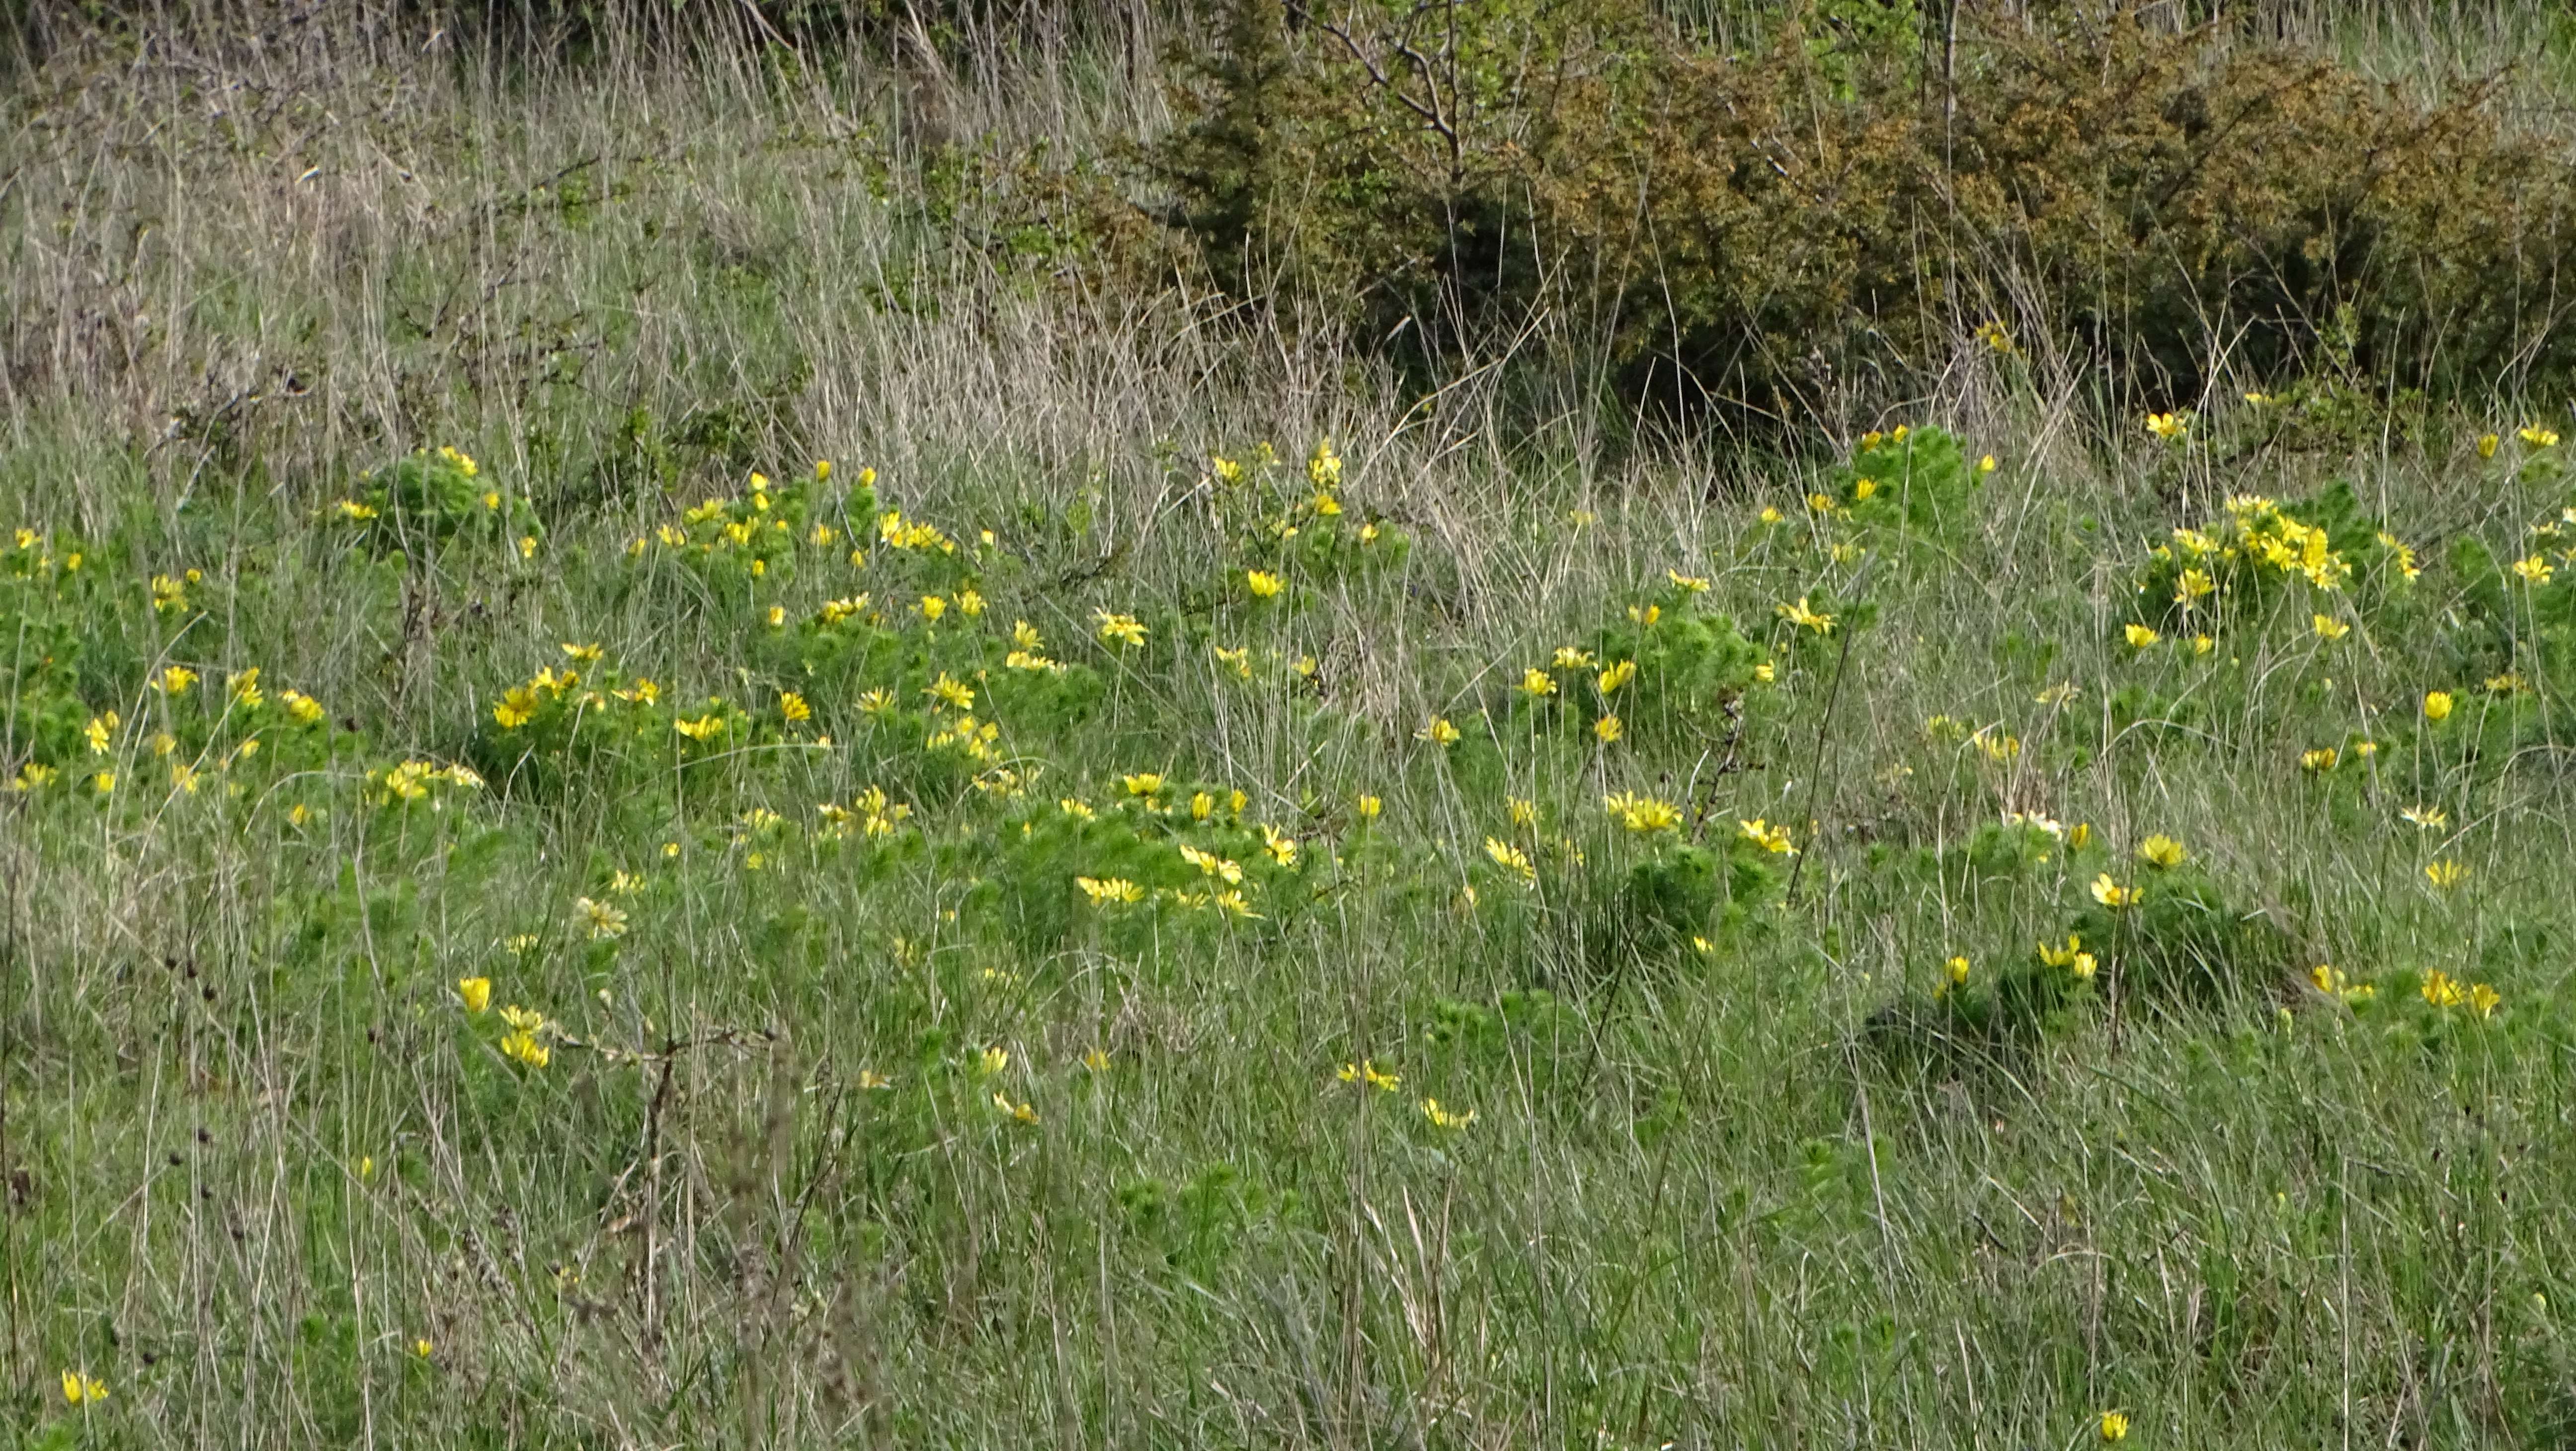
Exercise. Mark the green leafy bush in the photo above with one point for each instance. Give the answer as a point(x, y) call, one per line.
point(1750, 230)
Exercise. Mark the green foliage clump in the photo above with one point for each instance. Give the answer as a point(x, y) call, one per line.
point(425, 499)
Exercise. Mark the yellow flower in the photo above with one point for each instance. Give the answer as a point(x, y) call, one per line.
point(1120, 629)
point(1446, 1119)
point(1202, 805)
point(516, 707)
point(948, 690)
point(2115, 1426)
point(2168, 426)
point(2111, 894)
point(932, 607)
point(2202, 644)
point(1608, 729)
point(1766, 672)
point(301, 708)
point(2162, 851)
point(793, 706)
point(1440, 732)
point(2533, 570)
point(1992, 333)
point(1323, 466)
point(2140, 637)
point(1212, 865)
point(2485, 999)
point(528, 550)
point(79, 1389)
point(1537, 683)
point(600, 918)
point(2323, 758)
point(1642, 814)
point(969, 603)
point(1771, 515)
point(777, 616)
point(1522, 810)
point(2509, 683)
point(582, 654)
point(705, 728)
point(1021, 1112)
point(1862, 489)
point(175, 681)
point(2441, 989)
point(2445, 873)
point(1096, 1059)
point(2437, 705)
point(1369, 807)
point(523, 1045)
point(1986, 465)
point(2328, 627)
point(2537, 436)
point(99, 730)
point(2430, 818)
point(1695, 584)
point(1366, 1071)
point(476, 991)
point(877, 702)
point(1281, 846)
point(1263, 585)
point(1804, 618)
point(1570, 658)
point(105, 782)
point(1110, 889)
point(1143, 783)
point(1511, 857)
point(2487, 445)
point(1773, 839)
point(352, 509)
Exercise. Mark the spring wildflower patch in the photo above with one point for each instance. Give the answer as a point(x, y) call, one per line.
point(539, 911)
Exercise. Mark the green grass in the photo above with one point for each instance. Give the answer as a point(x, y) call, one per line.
point(1780, 1188)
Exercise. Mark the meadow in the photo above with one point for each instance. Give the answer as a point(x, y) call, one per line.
point(671, 782)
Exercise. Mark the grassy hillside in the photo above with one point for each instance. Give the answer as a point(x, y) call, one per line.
point(671, 782)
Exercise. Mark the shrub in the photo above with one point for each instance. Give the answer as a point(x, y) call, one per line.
point(1773, 233)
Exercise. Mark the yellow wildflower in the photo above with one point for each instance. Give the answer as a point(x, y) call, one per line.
point(1800, 616)
point(2111, 894)
point(1773, 839)
point(2162, 851)
point(1446, 1119)
point(600, 918)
